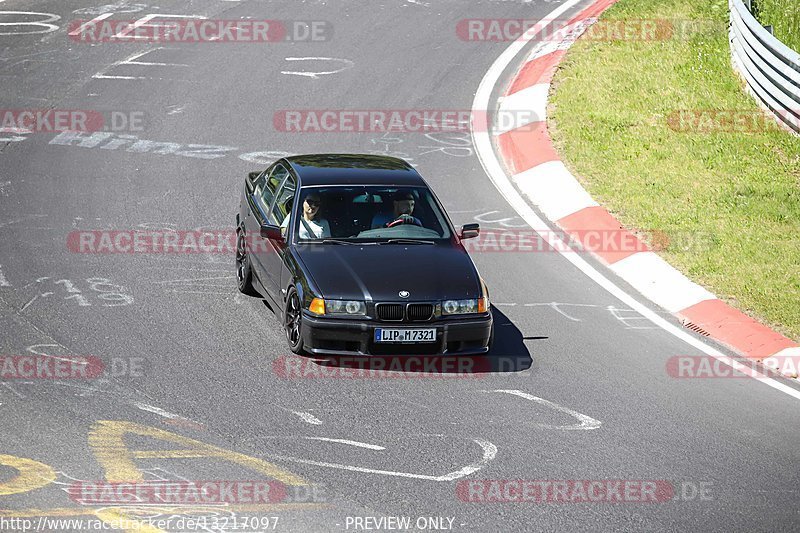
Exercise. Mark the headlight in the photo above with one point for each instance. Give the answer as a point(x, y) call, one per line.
point(345, 307)
point(459, 307)
point(465, 307)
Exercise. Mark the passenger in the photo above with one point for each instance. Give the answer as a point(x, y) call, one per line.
point(311, 226)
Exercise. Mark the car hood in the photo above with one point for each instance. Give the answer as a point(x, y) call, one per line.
point(380, 272)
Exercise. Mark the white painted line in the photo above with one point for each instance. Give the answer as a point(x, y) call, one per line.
point(194, 279)
point(489, 453)
point(350, 442)
point(12, 389)
point(495, 172)
point(347, 64)
point(554, 189)
point(584, 422)
point(21, 219)
point(158, 411)
point(104, 77)
point(308, 417)
point(3, 281)
point(145, 63)
point(522, 108)
point(660, 282)
point(36, 349)
point(89, 23)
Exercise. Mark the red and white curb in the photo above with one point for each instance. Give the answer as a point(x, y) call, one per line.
point(539, 174)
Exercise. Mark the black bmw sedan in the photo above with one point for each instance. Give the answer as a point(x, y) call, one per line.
point(357, 257)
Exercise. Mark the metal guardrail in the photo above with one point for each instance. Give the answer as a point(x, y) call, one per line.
point(771, 69)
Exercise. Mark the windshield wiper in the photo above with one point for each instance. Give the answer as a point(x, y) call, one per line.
point(407, 241)
point(336, 241)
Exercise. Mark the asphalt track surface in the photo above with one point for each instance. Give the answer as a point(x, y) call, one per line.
point(207, 353)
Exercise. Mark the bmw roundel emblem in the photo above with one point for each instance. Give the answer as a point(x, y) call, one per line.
point(404, 294)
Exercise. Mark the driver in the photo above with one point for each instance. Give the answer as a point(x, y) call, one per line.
point(403, 201)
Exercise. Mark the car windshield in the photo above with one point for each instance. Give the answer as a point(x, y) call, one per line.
point(360, 214)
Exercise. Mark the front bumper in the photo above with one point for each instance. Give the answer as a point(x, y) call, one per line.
point(454, 336)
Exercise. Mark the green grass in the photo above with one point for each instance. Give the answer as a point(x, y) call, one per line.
point(729, 201)
point(784, 16)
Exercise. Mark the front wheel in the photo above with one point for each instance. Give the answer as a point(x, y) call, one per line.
point(293, 322)
point(244, 275)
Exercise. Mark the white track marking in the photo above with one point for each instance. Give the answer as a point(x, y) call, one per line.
point(12, 389)
point(132, 60)
point(145, 22)
point(308, 417)
point(585, 422)
point(50, 17)
point(618, 314)
point(104, 77)
point(347, 64)
point(496, 173)
point(36, 349)
point(89, 23)
point(194, 279)
point(349, 442)
point(21, 219)
point(3, 281)
point(489, 453)
point(160, 412)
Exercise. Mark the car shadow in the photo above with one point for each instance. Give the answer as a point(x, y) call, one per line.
point(508, 354)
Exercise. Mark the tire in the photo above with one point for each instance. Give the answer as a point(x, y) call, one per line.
point(491, 340)
point(293, 322)
point(244, 273)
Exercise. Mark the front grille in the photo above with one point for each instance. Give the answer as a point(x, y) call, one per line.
point(419, 312)
point(392, 312)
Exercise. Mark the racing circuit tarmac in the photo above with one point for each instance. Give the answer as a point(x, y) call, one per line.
point(199, 384)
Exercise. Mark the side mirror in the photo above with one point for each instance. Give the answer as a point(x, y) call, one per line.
point(273, 233)
point(470, 231)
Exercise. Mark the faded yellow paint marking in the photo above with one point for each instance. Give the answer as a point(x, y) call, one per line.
point(107, 439)
point(30, 475)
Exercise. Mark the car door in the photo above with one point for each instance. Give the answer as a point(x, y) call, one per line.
point(270, 253)
point(260, 201)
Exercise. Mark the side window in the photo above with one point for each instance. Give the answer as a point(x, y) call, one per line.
point(267, 185)
point(258, 183)
point(284, 200)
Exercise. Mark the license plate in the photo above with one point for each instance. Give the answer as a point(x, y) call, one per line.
point(405, 335)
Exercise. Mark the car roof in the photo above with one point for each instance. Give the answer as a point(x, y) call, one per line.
point(353, 169)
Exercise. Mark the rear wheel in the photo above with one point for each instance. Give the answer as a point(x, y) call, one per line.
point(244, 275)
point(293, 322)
